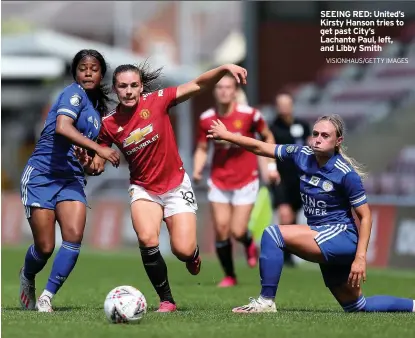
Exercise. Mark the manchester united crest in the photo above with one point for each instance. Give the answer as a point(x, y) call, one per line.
point(237, 124)
point(145, 114)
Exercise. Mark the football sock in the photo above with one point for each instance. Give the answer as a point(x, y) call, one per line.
point(156, 270)
point(380, 304)
point(224, 252)
point(288, 256)
point(271, 261)
point(245, 239)
point(63, 264)
point(34, 262)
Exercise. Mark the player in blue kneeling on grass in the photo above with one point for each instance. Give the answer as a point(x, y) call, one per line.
point(331, 186)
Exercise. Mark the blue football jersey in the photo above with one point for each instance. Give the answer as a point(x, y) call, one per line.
point(328, 193)
point(55, 153)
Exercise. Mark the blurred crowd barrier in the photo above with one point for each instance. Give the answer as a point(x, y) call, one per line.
point(109, 225)
point(109, 228)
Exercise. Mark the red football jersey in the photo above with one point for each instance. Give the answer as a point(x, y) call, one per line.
point(147, 141)
point(233, 167)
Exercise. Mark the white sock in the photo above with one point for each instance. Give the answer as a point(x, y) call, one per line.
point(267, 301)
point(413, 310)
point(47, 294)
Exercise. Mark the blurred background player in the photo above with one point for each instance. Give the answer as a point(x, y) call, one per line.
point(233, 183)
point(52, 183)
point(331, 186)
point(285, 194)
point(160, 188)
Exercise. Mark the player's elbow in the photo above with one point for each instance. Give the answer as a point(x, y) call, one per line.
point(363, 214)
point(60, 129)
point(202, 148)
point(63, 125)
point(366, 221)
point(187, 91)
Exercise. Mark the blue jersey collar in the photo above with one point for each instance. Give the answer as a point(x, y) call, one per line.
point(329, 165)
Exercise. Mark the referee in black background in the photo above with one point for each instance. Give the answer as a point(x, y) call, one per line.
point(285, 196)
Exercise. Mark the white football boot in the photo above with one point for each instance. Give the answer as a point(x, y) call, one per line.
point(256, 306)
point(44, 304)
point(27, 295)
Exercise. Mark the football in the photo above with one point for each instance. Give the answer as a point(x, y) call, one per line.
point(125, 304)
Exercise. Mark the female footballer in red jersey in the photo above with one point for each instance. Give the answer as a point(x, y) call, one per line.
point(160, 188)
point(233, 182)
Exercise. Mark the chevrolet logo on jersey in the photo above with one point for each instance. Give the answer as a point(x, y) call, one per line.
point(137, 135)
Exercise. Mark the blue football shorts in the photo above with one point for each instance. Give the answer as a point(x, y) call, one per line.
point(338, 244)
point(44, 190)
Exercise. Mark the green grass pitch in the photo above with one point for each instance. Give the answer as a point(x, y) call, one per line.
point(305, 307)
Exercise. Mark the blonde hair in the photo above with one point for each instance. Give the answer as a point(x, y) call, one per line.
point(340, 126)
point(241, 97)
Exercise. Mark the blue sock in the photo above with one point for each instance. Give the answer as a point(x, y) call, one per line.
point(381, 304)
point(63, 264)
point(34, 262)
point(271, 261)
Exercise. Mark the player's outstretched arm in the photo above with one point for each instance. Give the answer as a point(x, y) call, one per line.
point(218, 131)
point(208, 79)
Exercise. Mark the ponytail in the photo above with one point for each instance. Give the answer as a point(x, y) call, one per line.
point(358, 167)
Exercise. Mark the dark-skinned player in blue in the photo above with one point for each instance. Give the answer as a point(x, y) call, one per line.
point(53, 181)
point(331, 187)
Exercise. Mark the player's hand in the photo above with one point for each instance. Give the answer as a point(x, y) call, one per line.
point(239, 73)
point(217, 130)
point(99, 166)
point(90, 169)
point(197, 177)
point(357, 274)
point(274, 176)
point(109, 154)
point(82, 155)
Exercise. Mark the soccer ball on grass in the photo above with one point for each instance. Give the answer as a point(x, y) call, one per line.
point(125, 304)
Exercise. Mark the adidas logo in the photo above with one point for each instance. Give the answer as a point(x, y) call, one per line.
point(120, 129)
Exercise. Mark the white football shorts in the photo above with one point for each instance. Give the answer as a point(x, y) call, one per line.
point(175, 201)
point(242, 196)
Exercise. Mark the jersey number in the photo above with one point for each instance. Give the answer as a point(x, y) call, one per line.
point(188, 196)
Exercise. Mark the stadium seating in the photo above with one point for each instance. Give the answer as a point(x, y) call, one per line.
point(364, 93)
point(399, 179)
